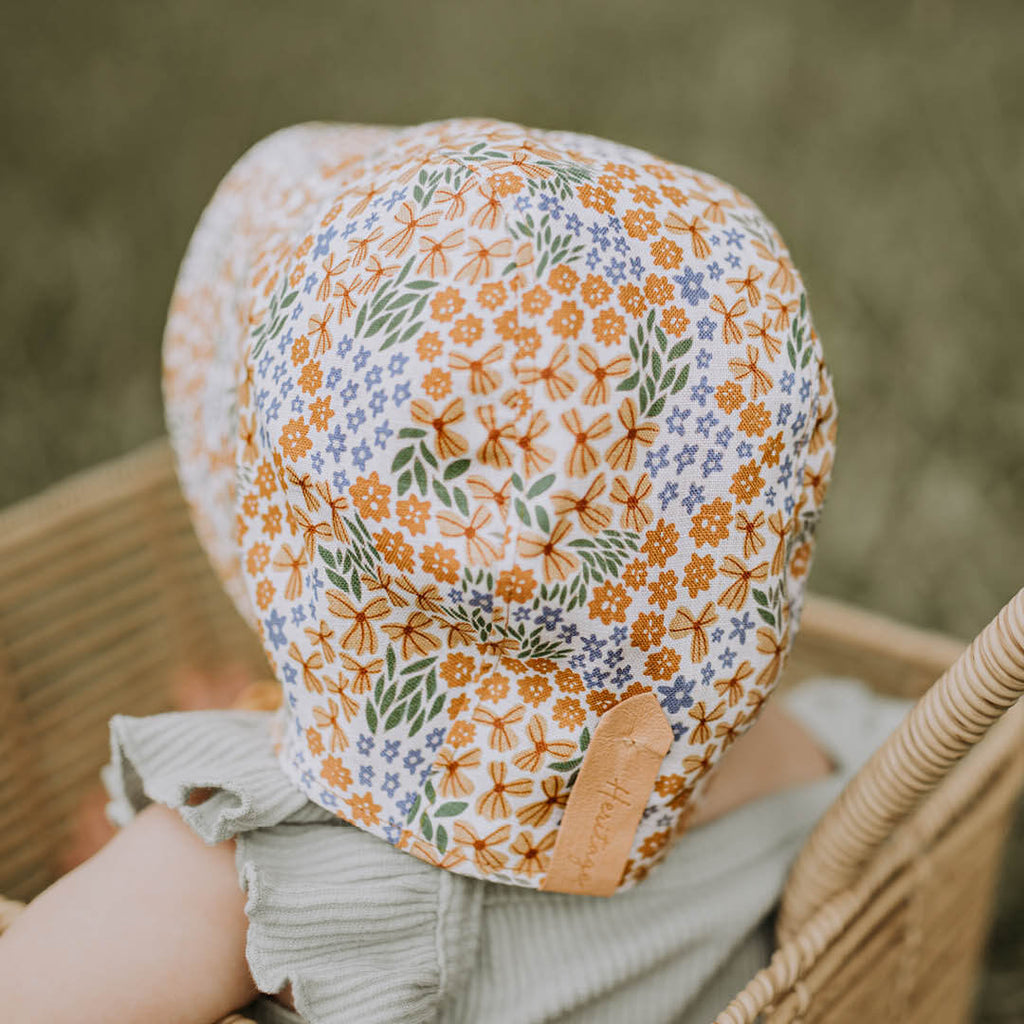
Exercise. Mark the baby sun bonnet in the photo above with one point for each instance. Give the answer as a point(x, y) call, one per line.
point(511, 445)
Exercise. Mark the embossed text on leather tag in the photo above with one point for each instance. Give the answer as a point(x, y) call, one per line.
point(608, 798)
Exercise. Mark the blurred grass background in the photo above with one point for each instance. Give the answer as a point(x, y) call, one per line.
point(885, 140)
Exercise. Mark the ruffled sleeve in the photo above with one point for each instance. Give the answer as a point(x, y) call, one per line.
point(362, 931)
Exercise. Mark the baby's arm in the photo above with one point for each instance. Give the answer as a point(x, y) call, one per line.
point(151, 928)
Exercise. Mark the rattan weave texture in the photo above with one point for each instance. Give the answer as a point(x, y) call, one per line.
point(106, 598)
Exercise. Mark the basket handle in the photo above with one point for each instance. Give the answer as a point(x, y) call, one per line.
point(952, 716)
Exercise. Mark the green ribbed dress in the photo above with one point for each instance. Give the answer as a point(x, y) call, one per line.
point(367, 933)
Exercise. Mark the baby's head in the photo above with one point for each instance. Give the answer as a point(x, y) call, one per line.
point(511, 444)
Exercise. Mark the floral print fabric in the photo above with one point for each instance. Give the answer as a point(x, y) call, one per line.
point(487, 429)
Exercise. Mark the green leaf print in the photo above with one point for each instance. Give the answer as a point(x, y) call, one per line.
point(605, 554)
point(407, 696)
point(661, 372)
point(450, 809)
point(394, 310)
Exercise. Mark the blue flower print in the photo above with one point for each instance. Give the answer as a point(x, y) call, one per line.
point(381, 433)
point(549, 617)
point(694, 497)
point(656, 460)
point(668, 494)
point(686, 456)
point(678, 696)
point(691, 286)
point(712, 463)
point(397, 195)
point(323, 242)
point(315, 583)
point(378, 402)
point(615, 271)
point(274, 624)
point(706, 422)
point(676, 420)
point(740, 627)
point(549, 204)
point(361, 455)
point(622, 678)
point(599, 236)
point(592, 646)
point(700, 392)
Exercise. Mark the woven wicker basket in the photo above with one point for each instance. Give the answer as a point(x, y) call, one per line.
point(105, 597)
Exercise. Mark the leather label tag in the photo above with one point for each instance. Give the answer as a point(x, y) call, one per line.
point(608, 798)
